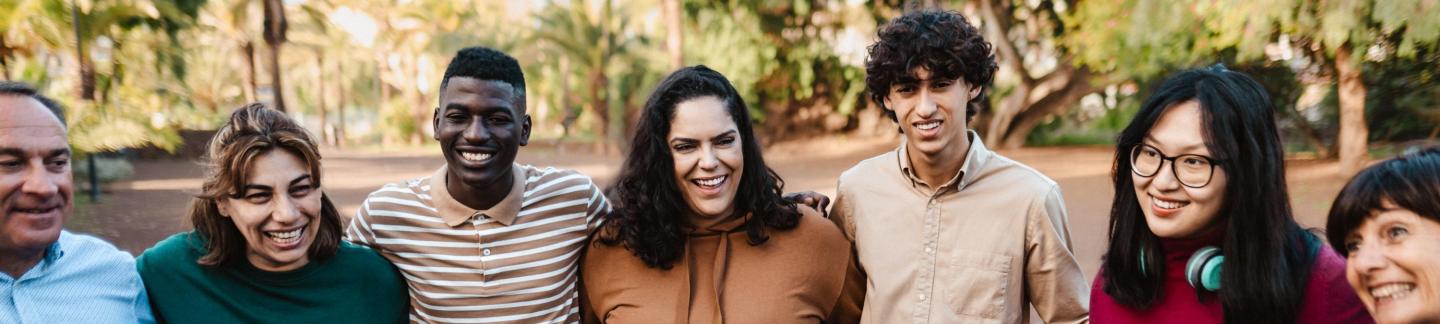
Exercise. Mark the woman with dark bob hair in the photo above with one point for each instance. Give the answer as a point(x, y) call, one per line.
point(700, 232)
point(1201, 229)
point(1387, 224)
point(266, 246)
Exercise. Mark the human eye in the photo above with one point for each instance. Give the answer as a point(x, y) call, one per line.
point(301, 190)
point(943, 84)
point(11, 164)
point(59, 162)
point(904, 88)
point(1396, 232)
point(1351, 247)
point(726, 140)
point(257, 197)
point(683, 147)
point(1195, 161)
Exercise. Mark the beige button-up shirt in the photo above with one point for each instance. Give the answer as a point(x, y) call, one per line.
point(983, 248)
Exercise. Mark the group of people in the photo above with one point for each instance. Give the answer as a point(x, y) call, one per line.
point(697, 229)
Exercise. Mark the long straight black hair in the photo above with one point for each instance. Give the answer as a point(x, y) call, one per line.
point(1267, 255)
point(650, 217)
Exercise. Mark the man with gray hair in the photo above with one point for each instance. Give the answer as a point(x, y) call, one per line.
point(47, 274)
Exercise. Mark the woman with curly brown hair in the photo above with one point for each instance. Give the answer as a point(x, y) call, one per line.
point(700, 233)
point(266, 246)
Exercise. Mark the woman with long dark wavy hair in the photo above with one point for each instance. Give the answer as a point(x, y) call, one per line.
point(1201, 229)
point(700, 233)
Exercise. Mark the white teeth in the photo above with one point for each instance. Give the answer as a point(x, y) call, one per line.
point(711, 182)
point(475, 156)
point(1167, 204)
point(928, 125)
point(286, 237)
point(1392, 290)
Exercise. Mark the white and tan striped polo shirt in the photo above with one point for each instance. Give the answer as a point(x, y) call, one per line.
point(516, 262)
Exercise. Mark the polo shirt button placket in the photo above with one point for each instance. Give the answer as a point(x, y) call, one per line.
point(475, 221)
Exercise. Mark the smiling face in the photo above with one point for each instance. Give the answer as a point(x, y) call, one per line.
point(1393, 266)
point(35, 185)
point(705, 144)
point(1173, 210)
point(931, 113)
point(278, 212)
point(481, 127)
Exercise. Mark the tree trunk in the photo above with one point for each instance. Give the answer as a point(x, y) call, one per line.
point(251, 78)
point(674, 32)
point(1053, 104)
point(320, 78)
point(567, 104)
point(87, 68)
point(4, 59)
point(275, 27)
point(1353, 132)
point(422, 109)
point(342, 100)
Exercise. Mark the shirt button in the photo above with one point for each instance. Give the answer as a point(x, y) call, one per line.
point(929, 250)
point(486, 252)
point(922, 296)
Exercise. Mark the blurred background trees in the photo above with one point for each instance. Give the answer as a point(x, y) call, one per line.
point(1344, 73)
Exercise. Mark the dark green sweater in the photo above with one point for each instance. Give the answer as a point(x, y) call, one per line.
point(354, 286)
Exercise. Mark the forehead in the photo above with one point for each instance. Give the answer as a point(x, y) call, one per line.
point(1180, 128)
point(700, 118)
point(279, 166)
point(476, 94)
point(26, 124)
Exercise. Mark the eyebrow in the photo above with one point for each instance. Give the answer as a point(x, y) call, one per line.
point(249, 187)
point(1182, 148)
point(18, 153)
point(687, 139)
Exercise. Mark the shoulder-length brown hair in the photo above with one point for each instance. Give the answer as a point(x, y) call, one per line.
point(252, 131)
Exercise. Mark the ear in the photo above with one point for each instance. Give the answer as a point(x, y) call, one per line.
point(223, 205)
point(525, 130)
point(974, 92)
point(435, 123)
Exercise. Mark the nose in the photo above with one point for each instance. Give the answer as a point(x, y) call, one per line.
point(39, 181)
point(708, 159)
point(475, 132)
point(286, 210)
point(926, 107)
point(1164, 179)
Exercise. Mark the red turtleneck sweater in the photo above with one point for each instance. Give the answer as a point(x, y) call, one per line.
point(1328, 296)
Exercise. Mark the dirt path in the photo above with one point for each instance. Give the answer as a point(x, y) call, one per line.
point(150, 206)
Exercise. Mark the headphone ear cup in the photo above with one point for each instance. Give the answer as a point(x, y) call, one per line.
point(1202, 271)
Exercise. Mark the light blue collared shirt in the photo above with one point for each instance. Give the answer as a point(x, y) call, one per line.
point(81, 279)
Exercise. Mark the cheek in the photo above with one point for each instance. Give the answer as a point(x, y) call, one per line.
point(683, 164)
point(247, 216)
point(733, 157)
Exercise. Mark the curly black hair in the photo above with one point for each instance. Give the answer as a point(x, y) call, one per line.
point(942, 42)
point(486, 63)
point(649, 218)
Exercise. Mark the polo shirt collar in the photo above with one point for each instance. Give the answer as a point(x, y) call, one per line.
point(455, 213)
point(974, 162)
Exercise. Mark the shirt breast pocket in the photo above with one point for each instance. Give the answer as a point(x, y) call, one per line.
point(976, 283)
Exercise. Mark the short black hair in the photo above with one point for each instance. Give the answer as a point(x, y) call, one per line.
point(486, 63)
point(1410, 181)
point(15, 88)
point(942, 42)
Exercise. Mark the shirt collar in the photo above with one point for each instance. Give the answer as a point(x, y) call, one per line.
point(454, 213)
point(974, 162)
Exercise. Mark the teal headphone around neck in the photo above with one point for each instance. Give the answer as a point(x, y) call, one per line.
point(1202, 271)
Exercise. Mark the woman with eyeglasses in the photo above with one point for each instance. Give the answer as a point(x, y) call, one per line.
point(1201, 229)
